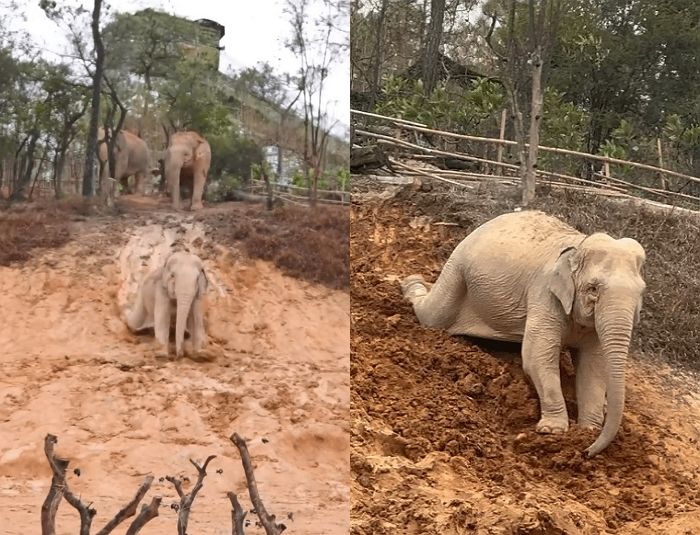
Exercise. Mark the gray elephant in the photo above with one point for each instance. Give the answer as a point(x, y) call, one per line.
point(131, 159)
point(529, 277)
point(175, 289)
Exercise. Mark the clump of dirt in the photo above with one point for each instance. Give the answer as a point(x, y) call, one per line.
point(443, 434)
point(306, 243)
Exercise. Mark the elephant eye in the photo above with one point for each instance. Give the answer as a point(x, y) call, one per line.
point(592, 288)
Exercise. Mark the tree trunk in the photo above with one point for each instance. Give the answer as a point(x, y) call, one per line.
point(91, 145)
point(529, 178)
point(26, 168)
point(432, 45)
point(377, 56)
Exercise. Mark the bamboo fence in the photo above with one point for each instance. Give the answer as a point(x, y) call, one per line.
point(607, 184)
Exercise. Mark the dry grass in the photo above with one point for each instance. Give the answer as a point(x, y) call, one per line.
point(307, 243)
point(670, 324)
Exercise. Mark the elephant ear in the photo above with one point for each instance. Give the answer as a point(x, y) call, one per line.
point(169, 278)
point(561, 283)
point(202, 283)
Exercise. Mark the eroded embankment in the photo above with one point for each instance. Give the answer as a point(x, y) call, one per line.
point(276, 369)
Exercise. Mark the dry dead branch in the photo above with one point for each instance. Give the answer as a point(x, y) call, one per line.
point(59, 489)
point(267, 520)
point(186, 500)
point(148, 512)
point(129, 509)
point(53, 498)
point(237, 515)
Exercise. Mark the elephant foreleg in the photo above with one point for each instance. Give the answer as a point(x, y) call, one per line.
point(162, 314)
point(591, 381)
point(540, 352)
point(197, 326)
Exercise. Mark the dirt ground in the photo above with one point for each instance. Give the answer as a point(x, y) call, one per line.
point(275, 371)
point(443, 437)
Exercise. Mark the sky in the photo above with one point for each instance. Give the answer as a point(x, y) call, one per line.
point(255, 31)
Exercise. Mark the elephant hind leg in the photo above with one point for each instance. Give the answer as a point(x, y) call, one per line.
point(197, 190)
point(437, 305)
point(137, 316)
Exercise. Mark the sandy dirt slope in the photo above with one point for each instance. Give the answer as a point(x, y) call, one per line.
point(276, 369)
point(443, 437)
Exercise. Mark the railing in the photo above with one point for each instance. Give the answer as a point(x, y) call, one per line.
point(651, 183)
point(297, 194)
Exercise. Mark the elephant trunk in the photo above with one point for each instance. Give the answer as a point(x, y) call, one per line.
point(614, 322)
point(184, 305)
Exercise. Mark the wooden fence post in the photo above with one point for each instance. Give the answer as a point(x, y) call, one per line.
point(662, 178)
point(501, 136)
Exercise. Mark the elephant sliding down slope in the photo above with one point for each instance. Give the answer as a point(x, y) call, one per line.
point(186, 161)
point(530, 277)
point(177, 288)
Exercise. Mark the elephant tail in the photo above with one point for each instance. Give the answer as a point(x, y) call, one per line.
point(437, 305)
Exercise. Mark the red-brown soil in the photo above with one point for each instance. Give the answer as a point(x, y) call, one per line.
point(443, 437)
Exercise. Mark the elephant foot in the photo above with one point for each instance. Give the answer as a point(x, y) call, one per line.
point(414, 286)
point(196, 206)
point(589, 424)
point(552, 426)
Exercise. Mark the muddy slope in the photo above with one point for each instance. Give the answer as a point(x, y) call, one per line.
point(275, 371)
point(443, 434)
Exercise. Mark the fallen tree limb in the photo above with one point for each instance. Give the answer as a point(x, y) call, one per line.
point(267, 520)
point(186, 500)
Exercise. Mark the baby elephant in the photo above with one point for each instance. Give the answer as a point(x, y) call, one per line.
point(178, 287)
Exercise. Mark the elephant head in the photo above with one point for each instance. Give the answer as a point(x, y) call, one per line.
point(600, 285)
point(185, 281)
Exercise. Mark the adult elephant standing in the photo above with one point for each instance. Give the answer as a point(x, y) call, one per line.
point(131, 158)
point(186, 162)
point(530, 277)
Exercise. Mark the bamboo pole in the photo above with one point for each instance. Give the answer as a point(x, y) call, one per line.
point(541, 147)
point(653, 190)
point(389, 140)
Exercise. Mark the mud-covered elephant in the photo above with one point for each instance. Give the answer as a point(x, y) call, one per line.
point(529, 277)
point(176, 289)
point(131, 159)
point(186, 162)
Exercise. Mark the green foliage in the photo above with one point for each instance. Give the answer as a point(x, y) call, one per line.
point(299, 179)
point(225, 189)
point(446, 107)
point(233, 154)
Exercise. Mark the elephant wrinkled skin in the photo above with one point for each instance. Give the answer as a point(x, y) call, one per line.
point(175, 289)
point(186, 161)
point(528, 277)
point(131, 158)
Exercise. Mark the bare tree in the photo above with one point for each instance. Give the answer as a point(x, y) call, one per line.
point(316, 53)
point(522, 63)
